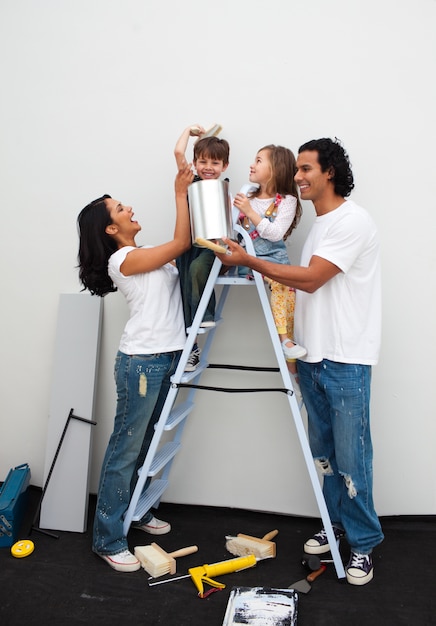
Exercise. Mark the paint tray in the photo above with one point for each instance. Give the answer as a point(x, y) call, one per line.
point(258, 606)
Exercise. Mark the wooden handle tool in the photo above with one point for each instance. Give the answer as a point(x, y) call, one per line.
point(206, 243)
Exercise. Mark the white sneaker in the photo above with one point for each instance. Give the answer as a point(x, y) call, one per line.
point(155, 527)
point(208, 324)
point(293, 352)
point(122, 562)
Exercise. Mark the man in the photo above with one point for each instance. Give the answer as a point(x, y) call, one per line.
point(338, 320)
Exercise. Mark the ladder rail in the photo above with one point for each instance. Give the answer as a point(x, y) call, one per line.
point(296, 414)
point(171, 398)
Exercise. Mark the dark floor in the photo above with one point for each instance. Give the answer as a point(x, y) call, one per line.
point(64, 583)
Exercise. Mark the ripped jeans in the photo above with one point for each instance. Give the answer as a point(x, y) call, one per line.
point(337, 398)
point(142, 383)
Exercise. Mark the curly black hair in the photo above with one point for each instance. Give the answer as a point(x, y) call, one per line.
point(332, 156)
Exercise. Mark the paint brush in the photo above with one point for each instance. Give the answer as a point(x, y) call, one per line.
point(157, 562)
point(207, 243)
point(262, 548)
point(213, 131)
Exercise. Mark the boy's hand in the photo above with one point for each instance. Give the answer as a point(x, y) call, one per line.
point(196, 130)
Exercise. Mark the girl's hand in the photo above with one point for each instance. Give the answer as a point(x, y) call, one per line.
point(184, 178)
point(242, 203)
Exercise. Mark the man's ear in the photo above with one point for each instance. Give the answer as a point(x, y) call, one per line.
point(111, 230)
point(331, 172)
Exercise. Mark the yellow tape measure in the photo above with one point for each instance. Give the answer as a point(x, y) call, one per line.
point(22, 548)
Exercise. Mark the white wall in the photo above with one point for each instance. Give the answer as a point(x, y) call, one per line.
point(94, 94)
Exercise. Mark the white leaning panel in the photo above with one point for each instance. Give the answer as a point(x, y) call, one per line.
point(65, 502)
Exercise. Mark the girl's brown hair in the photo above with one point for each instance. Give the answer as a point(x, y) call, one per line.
point(283, 170)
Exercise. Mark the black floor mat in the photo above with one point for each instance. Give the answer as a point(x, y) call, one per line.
point(63, 582)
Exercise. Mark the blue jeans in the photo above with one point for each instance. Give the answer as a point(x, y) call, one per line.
point(142, 383)
point(337, 397)
point(194, 268)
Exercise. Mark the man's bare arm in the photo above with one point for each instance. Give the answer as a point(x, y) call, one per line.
point(304, 278)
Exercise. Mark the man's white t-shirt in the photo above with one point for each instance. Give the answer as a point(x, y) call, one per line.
point(341, 321)
point(156, 321)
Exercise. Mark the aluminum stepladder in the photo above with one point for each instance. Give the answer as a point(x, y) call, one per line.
point(154, 474)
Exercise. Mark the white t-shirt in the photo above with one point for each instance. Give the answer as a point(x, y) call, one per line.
point(341, 321)
point(156, 321)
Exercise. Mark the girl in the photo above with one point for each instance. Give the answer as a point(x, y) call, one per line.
point(269, 214)
point(148, 355)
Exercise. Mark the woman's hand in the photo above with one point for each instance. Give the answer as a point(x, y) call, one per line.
point(184, 178)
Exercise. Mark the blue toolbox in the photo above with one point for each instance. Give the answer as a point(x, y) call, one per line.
point(13, 502)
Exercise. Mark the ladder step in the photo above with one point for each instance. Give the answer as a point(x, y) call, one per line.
point(162, 456)
point(234, 280)
point(178, 414)
point(148, 498)
point(187, 376)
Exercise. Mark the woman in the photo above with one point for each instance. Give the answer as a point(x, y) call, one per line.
point(149, 350)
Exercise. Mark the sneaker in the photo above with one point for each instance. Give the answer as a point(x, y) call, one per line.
point(318, 544)
point(193, 360)
point(295, 352)
point(208, 324)
point(155, 527)
point(360, 569)
point(122, 562)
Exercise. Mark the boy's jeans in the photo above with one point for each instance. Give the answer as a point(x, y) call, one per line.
point(337, 397)
point(194, 268)
point(142, 383)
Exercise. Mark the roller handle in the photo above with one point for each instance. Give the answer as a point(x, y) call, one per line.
point(229, 566)
point(314, 575)
point(183, 551)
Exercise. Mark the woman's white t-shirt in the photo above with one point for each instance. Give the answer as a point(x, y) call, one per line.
point(156, 322)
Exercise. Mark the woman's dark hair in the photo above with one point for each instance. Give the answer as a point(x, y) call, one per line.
point(332, 156)
point(95, 247)
point(283, 170)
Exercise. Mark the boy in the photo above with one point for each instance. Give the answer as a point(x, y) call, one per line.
point(211, 159)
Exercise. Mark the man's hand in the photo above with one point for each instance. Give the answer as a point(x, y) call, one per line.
point(235, 254)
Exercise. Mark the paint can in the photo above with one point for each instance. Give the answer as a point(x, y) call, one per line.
point(210, 209)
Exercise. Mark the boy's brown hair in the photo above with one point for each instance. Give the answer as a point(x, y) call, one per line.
point(212, 148)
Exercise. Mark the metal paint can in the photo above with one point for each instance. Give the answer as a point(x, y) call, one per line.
point(210, 209)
